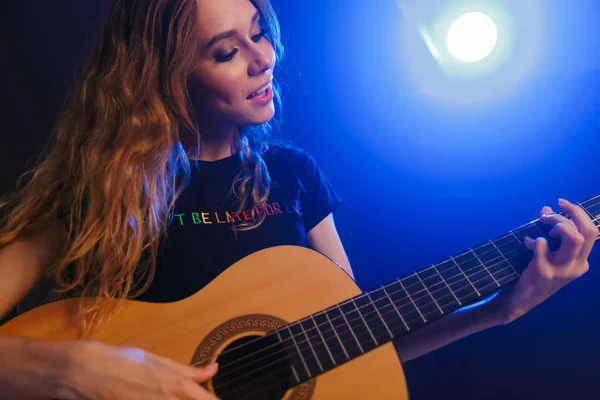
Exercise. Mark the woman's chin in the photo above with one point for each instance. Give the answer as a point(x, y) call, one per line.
point(259, 119)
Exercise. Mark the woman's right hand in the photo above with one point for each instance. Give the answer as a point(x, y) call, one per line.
point(100, 371)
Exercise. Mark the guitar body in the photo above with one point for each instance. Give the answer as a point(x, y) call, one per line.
point(262, 292)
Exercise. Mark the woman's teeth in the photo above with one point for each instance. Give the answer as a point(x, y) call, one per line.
point(259, 93)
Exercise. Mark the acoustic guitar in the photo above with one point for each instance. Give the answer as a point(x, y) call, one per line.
point(288, 323)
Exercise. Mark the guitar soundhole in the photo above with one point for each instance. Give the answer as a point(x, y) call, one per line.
point(258, 370)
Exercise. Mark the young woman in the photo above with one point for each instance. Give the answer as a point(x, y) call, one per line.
point(162, 174)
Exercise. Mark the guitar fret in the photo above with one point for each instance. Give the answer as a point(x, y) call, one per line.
point(410, 314)
point(421, 297)
point(318, 329)
point(518, 240)
point(458, 281)
point(593, 211)
point(485, 267)
point(333, 341)
point(466, 277)
point(515, 251)
point(445, 300)
point(308, 341)
point(412, 301)
point(429, 293)
point(502, 254)
point(288, 335)
point(496, 262)
point(374, 321)
point(593, 208)
point(351, 330)
point(478, 275)
point(364, 322)
point(301, 346)
point(291, 364)
point(385, 310)
point(446, 283)
point(380, 317)
point(594, 217)
point(347, 338)
point(586, 210)
point(396, 309)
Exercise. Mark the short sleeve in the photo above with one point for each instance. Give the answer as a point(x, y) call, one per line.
point(317, 198)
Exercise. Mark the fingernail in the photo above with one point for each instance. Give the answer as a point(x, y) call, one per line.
point(212, 367)
point(563, 201)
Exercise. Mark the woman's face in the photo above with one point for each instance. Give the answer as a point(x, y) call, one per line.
point(232, 82)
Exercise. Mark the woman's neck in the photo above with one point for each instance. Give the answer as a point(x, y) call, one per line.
point(216, 145)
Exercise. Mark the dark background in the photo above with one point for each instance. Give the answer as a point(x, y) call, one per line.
point(422, 176)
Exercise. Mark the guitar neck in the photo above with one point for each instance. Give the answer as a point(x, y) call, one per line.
point(347, 330)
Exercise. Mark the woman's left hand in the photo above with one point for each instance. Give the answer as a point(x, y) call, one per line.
point(549, 271)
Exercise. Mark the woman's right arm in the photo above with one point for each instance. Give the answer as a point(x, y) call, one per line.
point(23, 262)
point(24, 363)
point(78, 369)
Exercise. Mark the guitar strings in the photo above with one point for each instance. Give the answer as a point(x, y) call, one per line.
point(511, 235)
point(512, 242)
point(389, 310)
point(328, 347)
point(367, 315)
point(373, 312)
point(411, 286)
point(269, 376)
point(406, 299)
point(388, 306)
point(343, 342)
point(355, 346)
point(405, 302)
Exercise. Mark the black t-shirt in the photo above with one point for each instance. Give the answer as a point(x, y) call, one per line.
point(200, 243)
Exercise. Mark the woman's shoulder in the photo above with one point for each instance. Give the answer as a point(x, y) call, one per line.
point(291, 162)
point(284, 154)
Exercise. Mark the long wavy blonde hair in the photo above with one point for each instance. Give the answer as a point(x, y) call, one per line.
point(118, 158)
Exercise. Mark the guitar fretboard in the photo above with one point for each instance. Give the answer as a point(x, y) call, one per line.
point(324, 340)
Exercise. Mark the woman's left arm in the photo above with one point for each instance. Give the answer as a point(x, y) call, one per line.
point(546, 273)
point(324, 238)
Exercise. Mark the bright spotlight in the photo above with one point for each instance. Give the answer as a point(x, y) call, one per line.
point(472, 37)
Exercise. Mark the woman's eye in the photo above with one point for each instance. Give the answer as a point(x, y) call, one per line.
point(226, 57)
point(256, 38)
